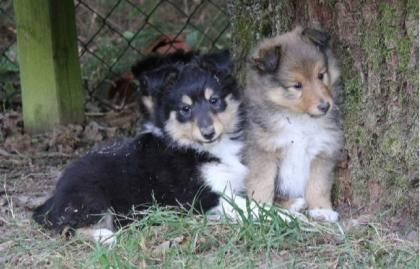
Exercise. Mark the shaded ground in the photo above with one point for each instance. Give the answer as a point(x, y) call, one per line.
point(29, 167)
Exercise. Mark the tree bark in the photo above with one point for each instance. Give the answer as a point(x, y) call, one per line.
point(377, 45)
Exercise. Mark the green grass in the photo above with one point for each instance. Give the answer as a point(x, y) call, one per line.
point(164, 238)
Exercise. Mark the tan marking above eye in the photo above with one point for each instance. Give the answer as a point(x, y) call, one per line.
point(208, 93)
point(187, 100)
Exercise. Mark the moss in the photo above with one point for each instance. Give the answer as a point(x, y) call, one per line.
point(329, 3)
point(392, 143)
point(411, 154)
point(372, 46)
point(244, 32)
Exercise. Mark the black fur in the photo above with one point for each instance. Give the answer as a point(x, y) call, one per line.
point(156, 70)
point(149, 168)
point(150, 83)
point(132, 173)
point(268, 60)
point(156, 60)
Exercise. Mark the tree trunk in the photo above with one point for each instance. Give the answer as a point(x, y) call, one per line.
point(377, 45)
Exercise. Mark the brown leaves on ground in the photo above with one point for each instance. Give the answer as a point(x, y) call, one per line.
point(68, 139)
point(11, 123)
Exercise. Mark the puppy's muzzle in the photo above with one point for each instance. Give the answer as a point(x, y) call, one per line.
point(208, 132)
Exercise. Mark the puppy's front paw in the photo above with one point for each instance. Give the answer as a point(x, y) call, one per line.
point(324, 214)
point(232, 208)
point(298, 205)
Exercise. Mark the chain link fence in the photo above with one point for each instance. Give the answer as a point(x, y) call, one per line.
point(9, 68)
point(114, 34)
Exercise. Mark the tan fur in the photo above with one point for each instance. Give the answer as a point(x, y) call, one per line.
point(187, 100)
point(270, 101)
point(262, 165)
point(181, 132)
point(208, 93)
point(148, 103)
point(228, 118)
point(286, 202)
point(318, 189)
point(314, 90)
point(217, 125)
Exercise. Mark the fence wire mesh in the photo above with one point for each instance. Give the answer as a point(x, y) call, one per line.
point(114, 34)
point(9, 68)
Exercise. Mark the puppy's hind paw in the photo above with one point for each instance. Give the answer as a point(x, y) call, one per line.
point(324, 214)
point(104, 236)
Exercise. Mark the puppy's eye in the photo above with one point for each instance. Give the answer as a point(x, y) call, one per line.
point(298, 86)
point(214, 100)
point(185, 110)
point(321, 76)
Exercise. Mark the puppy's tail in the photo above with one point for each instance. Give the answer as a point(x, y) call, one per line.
point(42, 214)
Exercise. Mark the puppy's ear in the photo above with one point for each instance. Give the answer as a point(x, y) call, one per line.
point(217, 62)
point(267, 59)
point(317, 36)
point(153, 83)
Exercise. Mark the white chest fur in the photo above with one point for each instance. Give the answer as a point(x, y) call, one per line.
point(300, 139)
point(227, 176)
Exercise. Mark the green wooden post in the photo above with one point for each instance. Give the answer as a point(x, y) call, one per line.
point(49, 64)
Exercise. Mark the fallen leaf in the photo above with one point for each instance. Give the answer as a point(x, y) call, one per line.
point(6, 245)
point(29, 202)
point(163, 247)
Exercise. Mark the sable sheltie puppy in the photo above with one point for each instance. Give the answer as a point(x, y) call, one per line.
point(293, 136)
point(190, 158)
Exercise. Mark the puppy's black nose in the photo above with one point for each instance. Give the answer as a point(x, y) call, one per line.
point(324, 106)
point(208, 133)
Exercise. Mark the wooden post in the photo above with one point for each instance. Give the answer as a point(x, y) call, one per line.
point(49, 64)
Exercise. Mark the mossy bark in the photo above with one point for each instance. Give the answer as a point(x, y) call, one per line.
point(377, 44)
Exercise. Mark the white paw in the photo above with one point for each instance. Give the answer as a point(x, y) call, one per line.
point(104, 236)
point(269, 210)
point(324, 214)
point(298, 205)
point(231, 208)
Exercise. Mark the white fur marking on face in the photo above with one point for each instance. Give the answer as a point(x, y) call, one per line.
point(324, 214)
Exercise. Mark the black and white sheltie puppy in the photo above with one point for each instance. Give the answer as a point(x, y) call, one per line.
point(190, 158)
